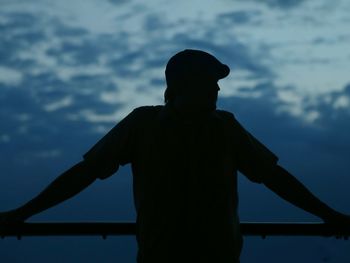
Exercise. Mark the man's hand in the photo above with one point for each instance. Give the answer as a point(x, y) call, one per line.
point(289, 188)
point(12, 217)
point(338, 219)
point(341, 222)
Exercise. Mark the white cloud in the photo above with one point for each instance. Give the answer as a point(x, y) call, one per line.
point(59, 104)
point(99, 118)
point(9, 76)
point(342, 102)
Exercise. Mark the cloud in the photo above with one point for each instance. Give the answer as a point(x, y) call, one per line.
point(117, 2)
point(153, 22)
point(18, 32)
point(64, 31)
point(59, 104)
point(283, 4)
point(10, 77)
point(75, 53)
point(334, 109)
point(239, 17)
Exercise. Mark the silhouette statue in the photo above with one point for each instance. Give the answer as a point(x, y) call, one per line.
point(184, 156)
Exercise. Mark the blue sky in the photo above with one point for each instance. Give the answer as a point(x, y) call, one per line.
point(70, 70)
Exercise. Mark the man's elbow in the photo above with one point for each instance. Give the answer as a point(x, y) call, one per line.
point(273, 176)
point(95, 171)
point(86, 170)
point(279, 180)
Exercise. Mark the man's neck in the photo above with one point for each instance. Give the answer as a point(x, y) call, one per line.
point(190, 115)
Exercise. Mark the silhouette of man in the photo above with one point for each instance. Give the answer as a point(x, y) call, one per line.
point(184, 156)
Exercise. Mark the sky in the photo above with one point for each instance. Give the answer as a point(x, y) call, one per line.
point(70, 70)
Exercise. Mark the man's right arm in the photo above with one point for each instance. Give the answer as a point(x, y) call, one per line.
point(65, 186)
point(101, 161)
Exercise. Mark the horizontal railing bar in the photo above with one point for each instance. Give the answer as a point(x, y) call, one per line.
point(105, 229)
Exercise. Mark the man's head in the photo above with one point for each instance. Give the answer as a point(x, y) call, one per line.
point(192, 77)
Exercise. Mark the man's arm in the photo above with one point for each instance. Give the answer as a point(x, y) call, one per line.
point(290, 189)
point(67, 185)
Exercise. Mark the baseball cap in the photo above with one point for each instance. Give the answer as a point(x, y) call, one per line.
point(191, 65)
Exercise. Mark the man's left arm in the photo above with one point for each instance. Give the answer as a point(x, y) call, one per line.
point(290, 189)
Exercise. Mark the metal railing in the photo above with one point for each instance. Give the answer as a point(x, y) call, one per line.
point(105, 229)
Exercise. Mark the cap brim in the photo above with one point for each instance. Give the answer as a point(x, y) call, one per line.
point(223, 72)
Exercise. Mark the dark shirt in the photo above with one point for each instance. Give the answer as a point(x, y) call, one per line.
point(184, 179)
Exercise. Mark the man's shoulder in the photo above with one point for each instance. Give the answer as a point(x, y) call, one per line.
point(144, 113)
point(224, 115)
point(147, 110)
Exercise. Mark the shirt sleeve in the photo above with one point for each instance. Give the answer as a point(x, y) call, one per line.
point(114, 149)
point(253, 158)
